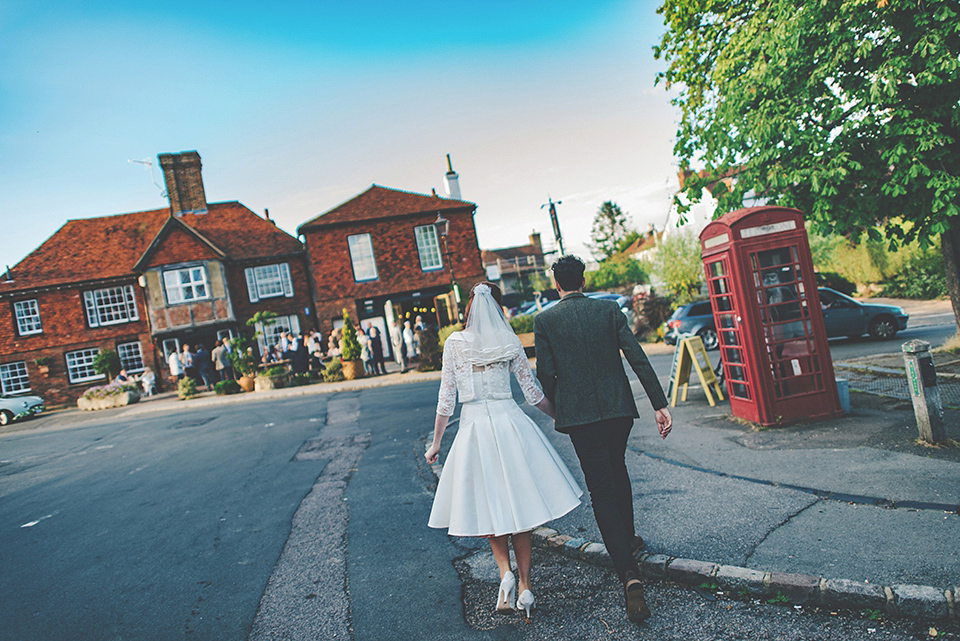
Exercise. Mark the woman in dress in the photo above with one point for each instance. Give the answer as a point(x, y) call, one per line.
point(502, 478)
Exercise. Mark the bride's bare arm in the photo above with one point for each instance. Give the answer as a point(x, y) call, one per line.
point(439, 427)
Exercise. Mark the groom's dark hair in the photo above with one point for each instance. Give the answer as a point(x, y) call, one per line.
point(568, 272)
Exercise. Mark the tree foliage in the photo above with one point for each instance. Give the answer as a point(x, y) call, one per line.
point(615, 272)
point(848, 110)
point(609, 231)
point(679, 265)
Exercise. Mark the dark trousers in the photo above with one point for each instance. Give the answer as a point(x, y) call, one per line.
point(601, 447)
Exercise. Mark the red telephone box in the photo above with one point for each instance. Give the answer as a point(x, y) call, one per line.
point(767, 311)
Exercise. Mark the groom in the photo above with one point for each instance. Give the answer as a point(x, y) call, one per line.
point(578, 343)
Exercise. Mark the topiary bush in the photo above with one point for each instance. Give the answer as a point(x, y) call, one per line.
point(227, 387)
point(186, 388)
point(333, 371)
point(350, 346)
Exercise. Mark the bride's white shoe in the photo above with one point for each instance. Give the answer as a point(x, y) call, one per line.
point(526, 601)
point(507, 592)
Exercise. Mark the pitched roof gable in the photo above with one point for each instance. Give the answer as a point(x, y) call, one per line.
point(108, 247)
point(383, 202)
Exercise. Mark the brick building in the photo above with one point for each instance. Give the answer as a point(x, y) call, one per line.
point(518, 270)
point(383, 255)
point(144, 283)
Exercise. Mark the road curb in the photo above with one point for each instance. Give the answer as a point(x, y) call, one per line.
point(921, 602)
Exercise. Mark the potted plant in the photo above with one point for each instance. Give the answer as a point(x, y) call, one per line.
point(350, 349)
point(43, 364)
point(243, 361)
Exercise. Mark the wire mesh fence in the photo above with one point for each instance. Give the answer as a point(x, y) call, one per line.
point(894, 384)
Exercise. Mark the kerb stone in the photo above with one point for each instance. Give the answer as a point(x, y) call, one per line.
point(920, 601)
point(690, 571)
point(572, 547)
point(655, 566)
point(854, 595)
point(596, 553)
point(737, 579)
point(798, 588)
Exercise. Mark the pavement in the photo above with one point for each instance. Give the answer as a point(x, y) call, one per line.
point(848, 513)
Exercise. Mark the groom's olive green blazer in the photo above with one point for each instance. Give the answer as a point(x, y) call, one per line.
point(578, 343)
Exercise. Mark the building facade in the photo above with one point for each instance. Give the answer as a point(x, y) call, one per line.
point(143, 284)
point(519, 271)
point(389, 255)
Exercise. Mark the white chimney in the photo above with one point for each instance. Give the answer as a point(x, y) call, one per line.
point(452, 181)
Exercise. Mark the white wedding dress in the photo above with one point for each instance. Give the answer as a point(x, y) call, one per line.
point(502, 475)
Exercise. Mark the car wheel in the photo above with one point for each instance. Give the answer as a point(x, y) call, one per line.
point(5, 417)
point(883, 328)
point(709, 338)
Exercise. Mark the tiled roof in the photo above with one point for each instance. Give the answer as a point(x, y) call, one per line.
point(642, 244)
point(110, 246)
point(383, 202)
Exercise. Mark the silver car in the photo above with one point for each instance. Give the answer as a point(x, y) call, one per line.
point(13, 408)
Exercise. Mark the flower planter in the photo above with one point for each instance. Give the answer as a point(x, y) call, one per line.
point(106, 402)
point(353, 369)
point(262, 383)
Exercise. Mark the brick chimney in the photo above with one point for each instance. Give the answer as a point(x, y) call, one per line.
point(535, 241)
point(181, 172)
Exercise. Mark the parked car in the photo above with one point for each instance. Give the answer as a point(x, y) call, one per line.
point(16, 407)
point(842, 316)
point(694, 318)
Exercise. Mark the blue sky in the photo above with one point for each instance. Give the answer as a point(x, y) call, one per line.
point(297, 107)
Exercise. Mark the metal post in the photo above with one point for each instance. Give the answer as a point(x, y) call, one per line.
point(922, 381)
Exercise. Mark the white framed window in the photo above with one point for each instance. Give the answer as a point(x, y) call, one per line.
point(361, 255)
point(131, 357)
point(186, 284)
point(429, 247)
point(170, 346)
point(13, 378)
point(80, 365)
point(273, 330)
point(268, 281)
point(110, 306)
point(28, 317)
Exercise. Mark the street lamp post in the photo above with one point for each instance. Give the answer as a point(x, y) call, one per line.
point(443, 228)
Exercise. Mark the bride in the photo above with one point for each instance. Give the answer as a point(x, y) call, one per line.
point(502, 478)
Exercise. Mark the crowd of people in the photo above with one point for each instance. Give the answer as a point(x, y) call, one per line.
point(302, 353)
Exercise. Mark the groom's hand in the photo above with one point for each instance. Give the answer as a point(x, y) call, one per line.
point(664, 421)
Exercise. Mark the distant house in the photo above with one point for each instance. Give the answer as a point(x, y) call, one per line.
point(644, 246)
point(143, 284)
point(517, 269)
point(388, 255)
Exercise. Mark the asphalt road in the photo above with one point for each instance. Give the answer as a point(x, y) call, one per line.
point(208, 524)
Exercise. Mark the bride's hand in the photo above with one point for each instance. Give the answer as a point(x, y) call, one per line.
point(431, 454)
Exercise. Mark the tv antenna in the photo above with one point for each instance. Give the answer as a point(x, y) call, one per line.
point(153, 178)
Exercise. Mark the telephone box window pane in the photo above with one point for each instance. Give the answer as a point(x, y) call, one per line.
point(723, 304)
point(740, 390)
point(736, 372)
point(719, 286)
point(729, 338)
point(773, 257)
point(732, 356)
point(716, 269)
point(726, 321)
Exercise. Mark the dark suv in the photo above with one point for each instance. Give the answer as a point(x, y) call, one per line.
point(692, 318)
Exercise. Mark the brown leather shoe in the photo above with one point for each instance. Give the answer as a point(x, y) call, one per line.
point(637, 609)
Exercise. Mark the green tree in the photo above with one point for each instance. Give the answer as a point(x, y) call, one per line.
point(679, 265)
point(848, 110)
point(106, 362)
point(615, 272)
point(608, 231)
point(351, 346)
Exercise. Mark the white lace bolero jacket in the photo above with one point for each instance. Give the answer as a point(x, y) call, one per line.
point(487, 382)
